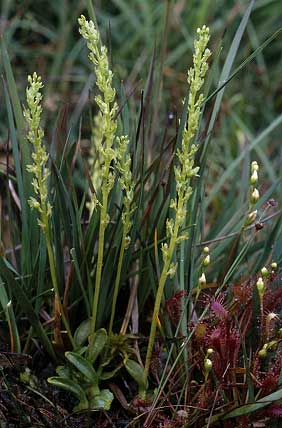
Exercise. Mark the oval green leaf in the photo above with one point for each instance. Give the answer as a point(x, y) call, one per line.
point(82, 332)
point(99, 342)
point(137, 372)
point(82, 365)
point(69, 385)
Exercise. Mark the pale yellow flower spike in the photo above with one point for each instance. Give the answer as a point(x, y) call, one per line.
point(184, 172)
point(108, 155)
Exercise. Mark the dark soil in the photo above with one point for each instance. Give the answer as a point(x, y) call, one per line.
point(27, 400)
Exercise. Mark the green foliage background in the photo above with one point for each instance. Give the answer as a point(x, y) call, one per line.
point(150, 46)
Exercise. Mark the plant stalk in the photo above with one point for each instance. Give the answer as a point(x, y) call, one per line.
point(117, 281)
point(53, 275)
point(102, 228)
point(158, 299)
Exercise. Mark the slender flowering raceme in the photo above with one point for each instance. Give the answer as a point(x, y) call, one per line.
point(40, 173)
point(35, 135)
point(108, 125)
point(106, 102)
point(184, 172)
point(254, 193)
point(108, 155)
point(124, 167)
point(95, 158)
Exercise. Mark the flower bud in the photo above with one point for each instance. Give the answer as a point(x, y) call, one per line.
point(210, 351)
point(127, 242)
point(206, 260)
point(254, 178)
point(206, 250)
point(251, 217)
point(207, 366)
point(264, 272)
point(202, 280)
point(260, 287)
point(254, 196)
point(262, 353)
point(254, 166)
point(274, 266)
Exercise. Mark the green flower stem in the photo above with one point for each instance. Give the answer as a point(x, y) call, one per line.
point(54, 277)
point(159, 295)
point(102, 228)
point(184, 172)
point(40, 200)
point(107, 130)
point(117, 281)
point(108, 156)
point(127, 185)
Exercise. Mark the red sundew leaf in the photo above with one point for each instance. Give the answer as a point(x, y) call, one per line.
point(242, 292)
point(272, 300)
point(219, 310)
point(269, 383)
point(173, 306)
point(215, 339)
point(275, 410)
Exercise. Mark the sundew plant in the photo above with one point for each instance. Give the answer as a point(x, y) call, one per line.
point(144, 286)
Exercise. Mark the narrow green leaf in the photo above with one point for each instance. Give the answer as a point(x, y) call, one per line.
point(17, 110)
point(26, 306)
point(250, 408)
point(78, 274)
point(259, 139)
point(11, 319)
point(29, 242)
point(22, 195)
point(227, 69)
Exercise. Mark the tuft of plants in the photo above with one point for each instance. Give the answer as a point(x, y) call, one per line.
point(121, 278)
